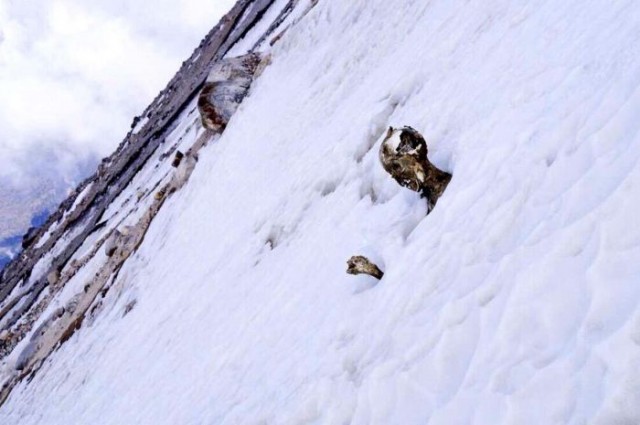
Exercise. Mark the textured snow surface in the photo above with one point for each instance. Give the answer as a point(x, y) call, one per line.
point(516, 301)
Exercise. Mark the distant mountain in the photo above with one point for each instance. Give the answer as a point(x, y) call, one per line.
point(28, 201)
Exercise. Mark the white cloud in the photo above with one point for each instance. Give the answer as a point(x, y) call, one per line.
point(73, 74)
point(76, 72)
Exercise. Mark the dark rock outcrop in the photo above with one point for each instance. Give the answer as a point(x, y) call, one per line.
point(177, 159)
point(30, 237)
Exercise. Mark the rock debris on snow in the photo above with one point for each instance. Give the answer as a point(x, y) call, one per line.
point(359, 264)
point(177, 159)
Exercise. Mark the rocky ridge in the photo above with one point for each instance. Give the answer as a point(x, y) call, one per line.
point(95, 230)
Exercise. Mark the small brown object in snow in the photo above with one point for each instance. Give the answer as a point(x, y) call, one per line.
point(160, 195)
point(361, 265)
point(177, 159)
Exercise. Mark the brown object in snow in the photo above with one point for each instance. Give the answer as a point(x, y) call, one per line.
point(359, 264)
point(403, 154)
point(177, 159)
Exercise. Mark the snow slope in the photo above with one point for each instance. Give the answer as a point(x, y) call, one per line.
point(516, 301)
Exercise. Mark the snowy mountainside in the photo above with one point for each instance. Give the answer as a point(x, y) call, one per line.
point(515, 301)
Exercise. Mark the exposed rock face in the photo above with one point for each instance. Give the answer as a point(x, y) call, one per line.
point(226, 86)
point(403, 154)
point(359, 264)
point(29, 238)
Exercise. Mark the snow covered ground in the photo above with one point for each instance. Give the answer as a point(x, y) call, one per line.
point(516, 301)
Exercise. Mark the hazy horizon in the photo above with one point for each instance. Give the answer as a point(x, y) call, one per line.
point(72, 77)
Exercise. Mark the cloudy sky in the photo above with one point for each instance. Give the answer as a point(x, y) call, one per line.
point(74, 73)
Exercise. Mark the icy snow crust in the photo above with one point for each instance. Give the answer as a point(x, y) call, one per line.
point(516, 301)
